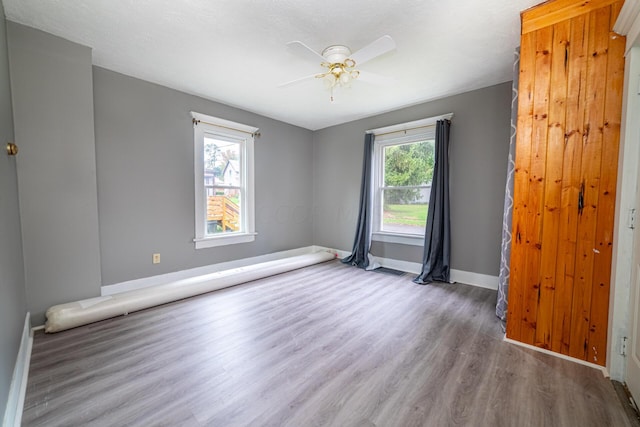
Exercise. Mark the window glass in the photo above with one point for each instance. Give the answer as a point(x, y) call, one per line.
point(407, 170)
point(223, 185)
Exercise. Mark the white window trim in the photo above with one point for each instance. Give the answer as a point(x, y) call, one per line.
point(402, 127)
point(404, 239)
point(392, 135)
point(202, 124)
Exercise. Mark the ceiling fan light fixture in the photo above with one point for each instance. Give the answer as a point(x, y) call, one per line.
point(339, 63)
point(340, 74)
point(335, 70)
point(330, 80)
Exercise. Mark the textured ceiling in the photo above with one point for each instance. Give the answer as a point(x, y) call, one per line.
point(234, 51)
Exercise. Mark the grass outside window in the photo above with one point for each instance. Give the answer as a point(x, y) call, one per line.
point(413, 215)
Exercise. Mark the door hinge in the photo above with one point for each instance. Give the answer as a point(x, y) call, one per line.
point(631, 221)
point(623, 347)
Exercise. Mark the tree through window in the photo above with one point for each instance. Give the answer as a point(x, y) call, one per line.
point(407, 170)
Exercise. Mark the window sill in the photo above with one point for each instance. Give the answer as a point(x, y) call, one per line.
point(404, 239)
point(231, 239)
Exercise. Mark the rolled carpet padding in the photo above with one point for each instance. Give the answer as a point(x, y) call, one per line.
point(78, 313)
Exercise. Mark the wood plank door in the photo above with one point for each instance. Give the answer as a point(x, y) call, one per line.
point(569, 114)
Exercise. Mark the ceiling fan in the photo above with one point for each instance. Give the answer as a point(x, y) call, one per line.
point(340, 64)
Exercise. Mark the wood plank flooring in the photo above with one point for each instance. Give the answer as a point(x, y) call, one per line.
point(327, 345)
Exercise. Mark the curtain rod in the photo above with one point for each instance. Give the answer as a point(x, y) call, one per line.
point(416, 124)
point(402, 130)
point(196, 121)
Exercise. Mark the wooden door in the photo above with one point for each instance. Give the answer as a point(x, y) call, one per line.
point(569, 112)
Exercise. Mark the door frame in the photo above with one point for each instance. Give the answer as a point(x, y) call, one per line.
point(628, 24)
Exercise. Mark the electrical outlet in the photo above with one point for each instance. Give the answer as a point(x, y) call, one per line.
point(156, 258)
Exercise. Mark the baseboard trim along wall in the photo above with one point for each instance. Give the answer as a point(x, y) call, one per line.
point(475, 279)
point(457, 276)
point(83, 312)
point(18, 388)
point(603, 369)
point(161, 279)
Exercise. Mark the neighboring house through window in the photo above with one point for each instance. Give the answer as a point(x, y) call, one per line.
point(231, 172)
point(403, 161)
point(224, 197)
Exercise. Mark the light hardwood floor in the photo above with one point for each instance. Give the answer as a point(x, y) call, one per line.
point(327, 345)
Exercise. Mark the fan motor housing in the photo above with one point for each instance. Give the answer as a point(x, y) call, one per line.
point(336, 54)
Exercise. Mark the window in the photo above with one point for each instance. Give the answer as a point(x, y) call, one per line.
point(403, 161)
point(224, 199)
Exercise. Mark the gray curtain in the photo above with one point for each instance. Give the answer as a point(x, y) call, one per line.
point(362, 242)
point(437, 240)
point(505, 255)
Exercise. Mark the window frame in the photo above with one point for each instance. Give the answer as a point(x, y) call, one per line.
point(404, 133)
point(235, 132)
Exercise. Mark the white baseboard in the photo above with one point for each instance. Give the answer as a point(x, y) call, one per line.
point(475, 279)
point(18, 389)
point(145, 282)
point(457, 276)
point(396, 264)
point(604, 371)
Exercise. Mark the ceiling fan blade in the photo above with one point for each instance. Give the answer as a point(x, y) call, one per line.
point(303, 51)
point(301, 79)
point(374, 49)
point(376, 79)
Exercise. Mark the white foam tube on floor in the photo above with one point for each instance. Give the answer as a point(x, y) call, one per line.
point(78, 313)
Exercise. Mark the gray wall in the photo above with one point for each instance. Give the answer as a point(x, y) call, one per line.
point(51, 84)
point(13, 306)
point(141, 161)
point(478, 162)
point(144, 152)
